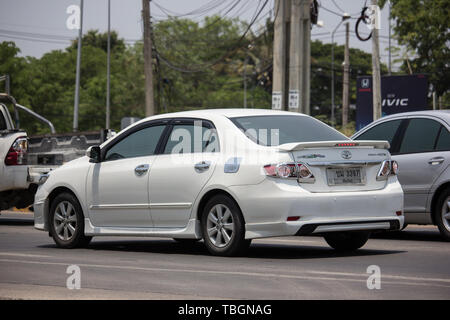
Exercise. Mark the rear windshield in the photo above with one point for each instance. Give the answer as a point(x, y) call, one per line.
point(280, 129)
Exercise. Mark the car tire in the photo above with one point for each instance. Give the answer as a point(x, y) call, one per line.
point(223, 227)
point(347, 241)
point(66, 222)
point(441, 209)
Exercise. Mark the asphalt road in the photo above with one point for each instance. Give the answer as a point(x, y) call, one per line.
point(414, 264)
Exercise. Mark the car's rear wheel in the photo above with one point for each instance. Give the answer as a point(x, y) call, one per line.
point(442, 214)
point(66, 222)
point(223, 227)
point(347, 241)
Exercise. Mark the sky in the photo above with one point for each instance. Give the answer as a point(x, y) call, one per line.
point(38, 27)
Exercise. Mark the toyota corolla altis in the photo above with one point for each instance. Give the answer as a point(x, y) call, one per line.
point(226, 176)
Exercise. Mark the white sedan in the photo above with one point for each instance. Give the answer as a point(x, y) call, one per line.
point(226, 176)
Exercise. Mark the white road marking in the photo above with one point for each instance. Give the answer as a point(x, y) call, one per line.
point(23, 255)
point(383, 276)
point(237, 273)
point(300, 241)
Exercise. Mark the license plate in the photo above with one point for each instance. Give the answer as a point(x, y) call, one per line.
point(340, 176)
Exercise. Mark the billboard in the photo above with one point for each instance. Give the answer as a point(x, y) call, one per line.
point(398, 94)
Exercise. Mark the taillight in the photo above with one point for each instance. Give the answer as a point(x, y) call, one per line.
point(299, 171)
point(17, 153)
point(282, 170)
point(388, 167)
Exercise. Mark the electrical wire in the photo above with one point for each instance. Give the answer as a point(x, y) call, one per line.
point(202, 67)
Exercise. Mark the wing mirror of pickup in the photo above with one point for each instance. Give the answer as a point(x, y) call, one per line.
point(93, 154)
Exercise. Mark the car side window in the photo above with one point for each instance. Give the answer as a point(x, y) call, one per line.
point(420, 136)
point(443, 142)
point(138, 144)
point(186, 138)
point(383, 131)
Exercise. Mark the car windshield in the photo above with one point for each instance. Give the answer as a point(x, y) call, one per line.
point(280, 129)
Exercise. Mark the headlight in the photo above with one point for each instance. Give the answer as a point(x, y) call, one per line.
point(43, 178)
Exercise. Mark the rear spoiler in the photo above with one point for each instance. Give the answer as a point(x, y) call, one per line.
point(297, 146)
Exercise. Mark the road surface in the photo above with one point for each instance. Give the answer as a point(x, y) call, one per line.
point(414, 264)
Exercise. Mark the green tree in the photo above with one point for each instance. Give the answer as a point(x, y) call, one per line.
point(424, 27)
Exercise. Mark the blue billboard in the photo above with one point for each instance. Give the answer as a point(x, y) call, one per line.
point(398, 94)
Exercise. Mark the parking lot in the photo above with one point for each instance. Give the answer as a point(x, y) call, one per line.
point(414, 264)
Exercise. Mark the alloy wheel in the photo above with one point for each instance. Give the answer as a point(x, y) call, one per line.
point(65, 220)
point(220, 225)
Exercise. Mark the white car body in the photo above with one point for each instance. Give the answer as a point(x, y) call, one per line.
point(166, 201)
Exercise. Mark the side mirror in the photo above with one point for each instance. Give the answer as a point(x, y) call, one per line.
point(93, 154)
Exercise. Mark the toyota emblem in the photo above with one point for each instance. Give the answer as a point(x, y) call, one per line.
point(346, 154)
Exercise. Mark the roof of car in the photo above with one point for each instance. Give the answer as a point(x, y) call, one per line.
point(229, 113)
point(443, 114)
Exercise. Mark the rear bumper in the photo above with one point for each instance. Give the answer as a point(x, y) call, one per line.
point(297, 228)
point(308, 229)
point(267, 206)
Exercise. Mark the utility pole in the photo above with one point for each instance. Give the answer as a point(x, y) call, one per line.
point(282, 9)
point(245, 81)
point(346, 78)
point(389, 26)
point(434, 101)
point(108, 71)
point(376, 73)
point(345, 16)
point(300, 56)
point(77, 79)
point(148, 68)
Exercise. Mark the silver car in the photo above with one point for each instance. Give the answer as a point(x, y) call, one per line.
point(420, 143)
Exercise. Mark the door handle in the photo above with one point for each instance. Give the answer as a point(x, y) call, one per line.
point(141, 169)
point(202, 166)
point(436, 161)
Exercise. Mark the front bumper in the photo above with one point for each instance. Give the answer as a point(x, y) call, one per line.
point(267, 206)
point(40, 206)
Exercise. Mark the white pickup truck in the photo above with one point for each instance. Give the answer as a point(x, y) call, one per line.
point(17, 183)
point(24, 160)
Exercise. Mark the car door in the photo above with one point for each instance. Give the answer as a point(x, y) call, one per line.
point(181, 171)
point(117, 187)
point(420, 161)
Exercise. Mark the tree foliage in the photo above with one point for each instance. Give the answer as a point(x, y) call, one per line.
point(424, 27)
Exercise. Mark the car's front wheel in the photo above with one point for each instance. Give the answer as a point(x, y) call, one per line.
point(66, 222)
point(223, 227)
point(347, 241)
point(442, 214)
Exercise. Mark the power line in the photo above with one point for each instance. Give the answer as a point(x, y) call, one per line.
point(201, 67)
point(336, 5)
